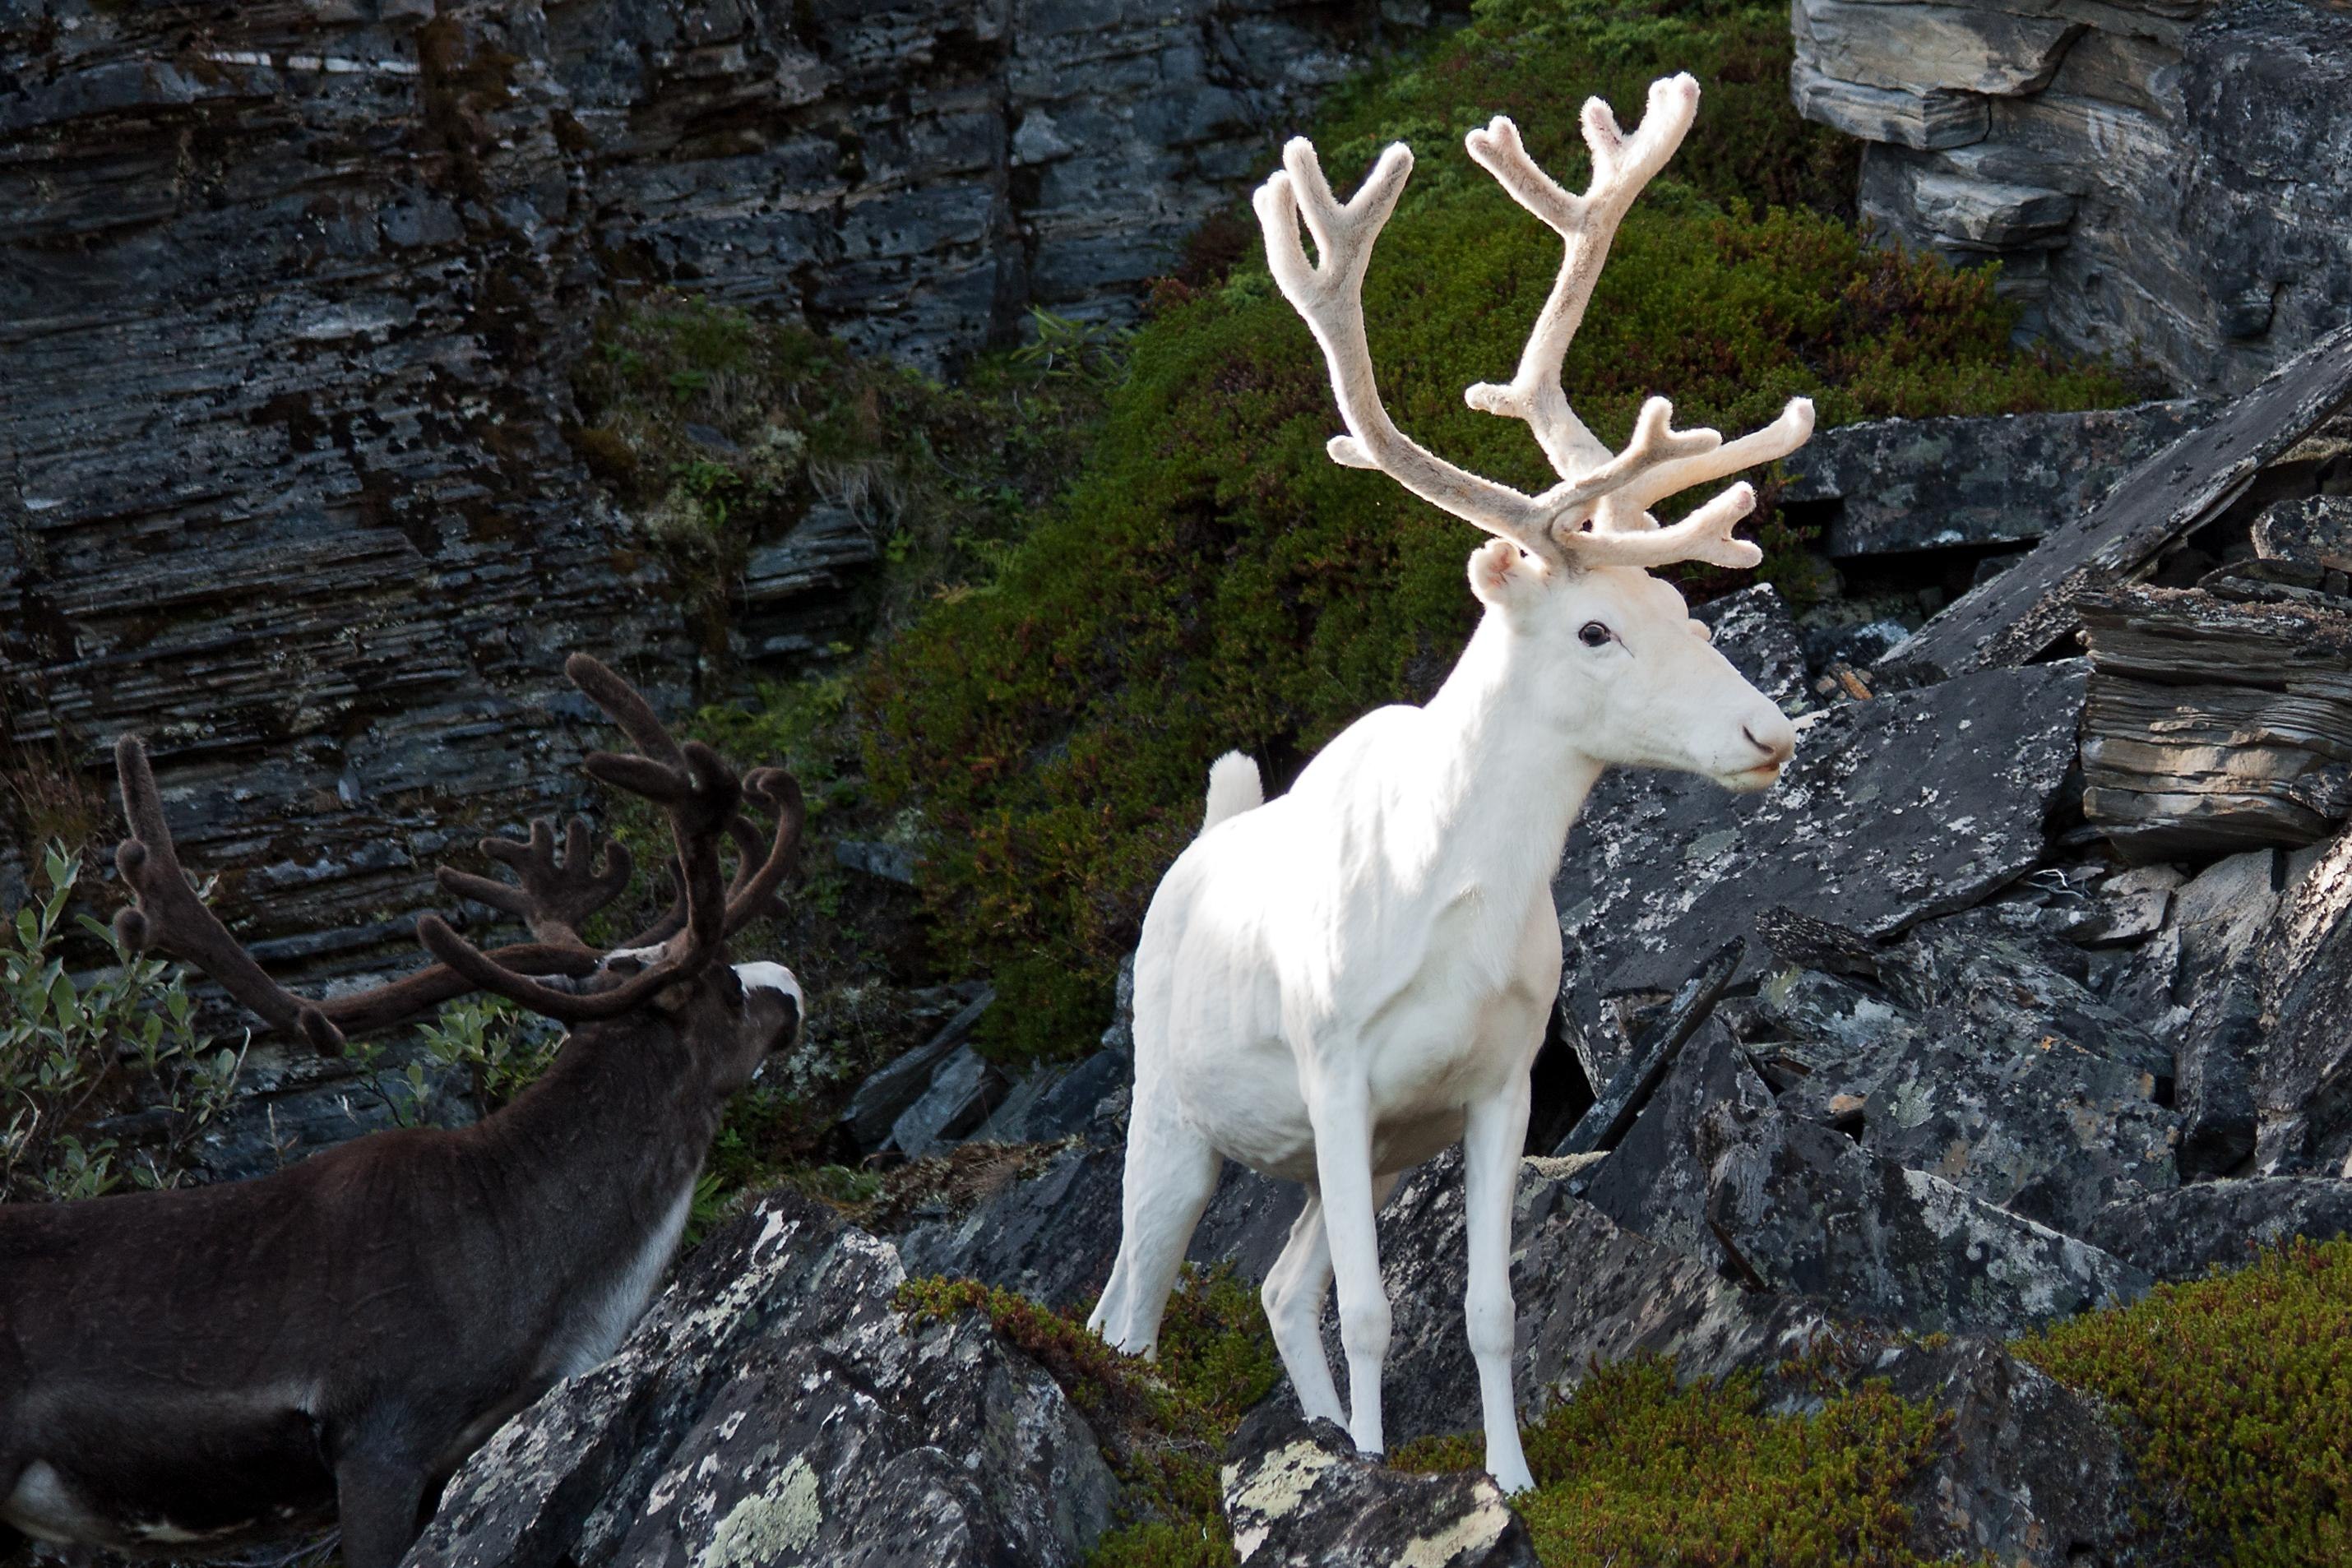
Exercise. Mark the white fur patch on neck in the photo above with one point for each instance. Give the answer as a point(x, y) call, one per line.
point(771, 977)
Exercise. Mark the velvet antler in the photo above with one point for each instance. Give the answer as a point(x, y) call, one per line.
point(167, 916)
point(1597, 515)
point(696, 791)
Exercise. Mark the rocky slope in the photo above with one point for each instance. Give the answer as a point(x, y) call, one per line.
point(289, 297)
point(2159, 178)
point(1907, 1056)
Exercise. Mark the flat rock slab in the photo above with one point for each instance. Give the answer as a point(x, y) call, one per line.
point(2303, 1074)
point(2032, 1471)
point(774, 1409)
point(1903, 485)
point(1297, 1495)
point(1898, 808)
point(1720, 1172)
point(2214, 726)
point(2031, 609)
point(2184, 1233)
point(2002, 1101)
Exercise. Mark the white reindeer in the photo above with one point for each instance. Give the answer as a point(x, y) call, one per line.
point(1333, 986)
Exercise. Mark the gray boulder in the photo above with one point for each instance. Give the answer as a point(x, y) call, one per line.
point(774, 1408)
point(883, 1097)
point(2181, 1234)
point(1895, 486)
point(2032, 1472)
point(1754, 630)
point(1297, 1495)
point(1763, 1194)
point(2032, 607)
point(1911, 805)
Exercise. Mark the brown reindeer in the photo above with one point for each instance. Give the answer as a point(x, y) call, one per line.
point(186, 1372)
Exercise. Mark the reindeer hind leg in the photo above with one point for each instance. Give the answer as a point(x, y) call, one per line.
point(1171, 1172)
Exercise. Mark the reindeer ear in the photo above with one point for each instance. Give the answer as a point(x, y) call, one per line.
point(1500, 573)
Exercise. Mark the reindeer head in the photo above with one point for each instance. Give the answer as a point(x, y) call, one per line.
point(670, 975)
point(1625, 666)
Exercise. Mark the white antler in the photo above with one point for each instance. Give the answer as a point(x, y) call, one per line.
point(1598, 513)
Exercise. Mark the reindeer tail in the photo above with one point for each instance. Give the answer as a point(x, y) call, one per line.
point(1233, 787)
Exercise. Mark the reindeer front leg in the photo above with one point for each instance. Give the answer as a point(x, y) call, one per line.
point(1494, 1133)
point(1338, 1104)
point(379, 1495)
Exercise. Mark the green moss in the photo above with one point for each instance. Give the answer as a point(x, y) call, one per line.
point(1633, 1469)
point(1163, 1424)
point(2239, 1394)
point(720, 429)
point(1211, 579)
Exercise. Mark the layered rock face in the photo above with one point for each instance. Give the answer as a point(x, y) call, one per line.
point(288, 297)
point(2166, 179)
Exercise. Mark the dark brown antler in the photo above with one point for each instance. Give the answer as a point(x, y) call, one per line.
point(168, 917)
point(699, 792)
point(551, 899)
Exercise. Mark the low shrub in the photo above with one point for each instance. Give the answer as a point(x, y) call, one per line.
point(1635, 1468)
point(104, 1076)
point(2237, 1391)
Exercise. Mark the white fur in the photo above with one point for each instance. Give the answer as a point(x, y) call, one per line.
point(771, 977)
point(601, 1319)
point(1233, 787)
point(1336, 984)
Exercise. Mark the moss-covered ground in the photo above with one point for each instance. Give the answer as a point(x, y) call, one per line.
point(2234, 1394)
point(2236, 1391)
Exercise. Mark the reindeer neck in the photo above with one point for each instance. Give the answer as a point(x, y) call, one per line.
point(621, 1121)
point(1505, 787)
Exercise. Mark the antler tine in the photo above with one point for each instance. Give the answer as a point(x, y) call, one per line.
point(169, 917)
point(627, 707)
point(1777, 439)
point(1705, 535)
point(699, 793)
point(1622, 166)
point(551, 899)
point(756, 880)
point(1329, 296)
point(1644, 473)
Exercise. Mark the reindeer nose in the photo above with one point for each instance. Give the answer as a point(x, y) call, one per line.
point(1777, 750)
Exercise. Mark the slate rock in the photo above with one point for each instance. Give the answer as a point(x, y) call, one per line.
point(1894, 809)
point(1297, 1495)
point(889, 1090)
point(1903, 485)
point(1620, 1101)
point(1588, 1291)
point(2182, 1234)
point(774, 1408)
point(2031, 1471)
point(2033, 607)
point(1720, 1171)
point(1754, 630)
point(2215, 726)
point(2198, 152)
point(964, 1088)
point(1872, 1240)
point(2311, 533)
point(2303, 1080)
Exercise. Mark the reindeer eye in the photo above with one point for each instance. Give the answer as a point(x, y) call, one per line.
point(1593, 635)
